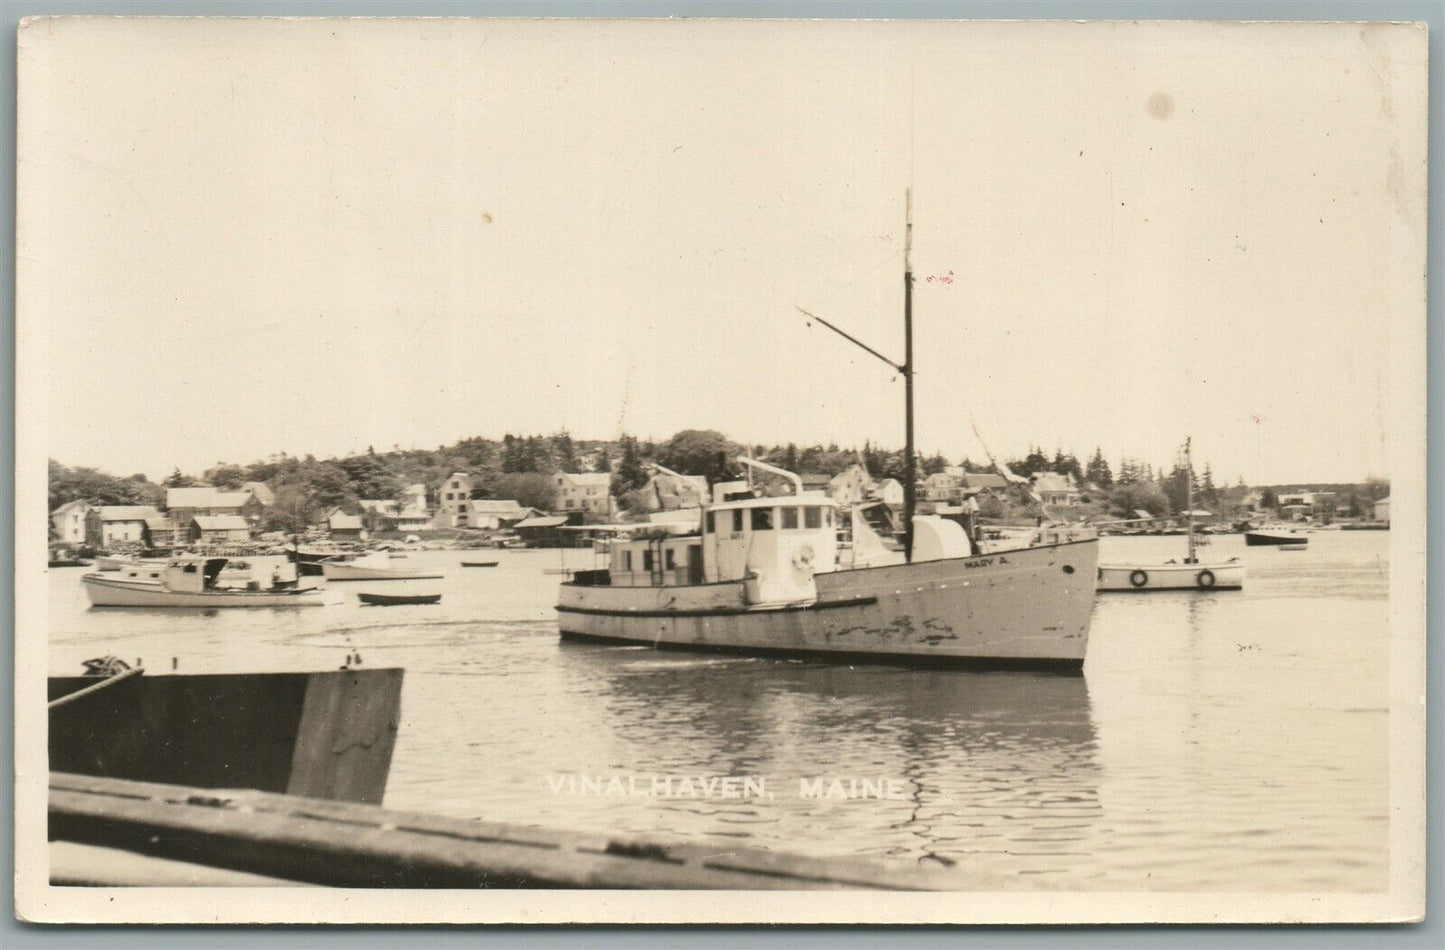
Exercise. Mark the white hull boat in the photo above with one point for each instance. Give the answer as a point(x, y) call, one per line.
point(373, 567)
point(1175, 576)
point(761, 577)
point(114, 562)
point(190, 582)
point(1189, 574)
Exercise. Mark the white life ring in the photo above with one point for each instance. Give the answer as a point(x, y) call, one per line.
point(1139, 578)
point(803, 558)
point(1205, 578)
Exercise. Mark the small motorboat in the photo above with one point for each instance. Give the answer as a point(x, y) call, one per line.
point(396, 600)
point(479, 563)
point(1282, 535)
point(68, 562)
point(373, 567)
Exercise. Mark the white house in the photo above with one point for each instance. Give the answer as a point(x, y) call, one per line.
point(68, 521)
point(1055, 489)
point(454, 502)
point(1382, 510)
point(589, 492)
point(850, 486)
point(120, 525)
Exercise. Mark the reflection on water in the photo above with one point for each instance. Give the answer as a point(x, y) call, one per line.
point(1226, 740)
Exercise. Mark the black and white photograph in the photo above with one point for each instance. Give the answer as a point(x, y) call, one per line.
point(629, 471)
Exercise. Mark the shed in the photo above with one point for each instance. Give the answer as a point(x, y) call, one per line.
point(219, 528)
point(541, 532)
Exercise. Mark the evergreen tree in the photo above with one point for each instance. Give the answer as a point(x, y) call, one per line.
point(1098, 471)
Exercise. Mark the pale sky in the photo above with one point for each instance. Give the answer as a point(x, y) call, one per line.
point(245, 237)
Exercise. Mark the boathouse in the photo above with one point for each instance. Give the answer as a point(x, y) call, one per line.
point(218, 529)
point(341, 526)
point(542, 532)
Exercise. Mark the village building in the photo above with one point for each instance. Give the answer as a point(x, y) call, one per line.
point(543, 531)
point(341, 526)
point(67, 522)
point(890, 492)
point(985, 481)
point(184, 504)
point(218, 529)
point(454, 502)
point(944, 487)
point(589, 492)
point(1308, 506)
point(380, 514)
point(850, 486)
point(121, 526)
point(1055, 489)
point(262, 493)
point(665, 492)
point(815, 481)
point(493, 513)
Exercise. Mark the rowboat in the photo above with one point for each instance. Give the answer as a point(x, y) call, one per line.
point(479, 564)
point(396, 600)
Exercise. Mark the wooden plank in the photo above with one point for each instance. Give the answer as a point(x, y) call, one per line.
point(346, 844)
point(346, 735)
point(80, 865)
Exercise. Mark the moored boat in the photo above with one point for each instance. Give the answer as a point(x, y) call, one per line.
point(373, 567)
point(189, 582)
point(1281, 535)
point(396, 600)
point(1189, 574)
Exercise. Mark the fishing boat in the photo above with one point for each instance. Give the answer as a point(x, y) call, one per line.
point(1189, 574)
point(396, 600)
point(479, 563)
point(189, 582)
point(760, 575)
point(114, 562)
point(373, 567)
point(1274, 536)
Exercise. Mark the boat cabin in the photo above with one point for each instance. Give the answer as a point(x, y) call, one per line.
point(774, 544)
point(193, 575)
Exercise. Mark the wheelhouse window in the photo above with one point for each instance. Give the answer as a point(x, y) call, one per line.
point(669, 559)
point(812, 517)
point(712, 522)
point(627, 561)
point(762, 519)
point(790, 518)
point(737, 520)
point(647, 560)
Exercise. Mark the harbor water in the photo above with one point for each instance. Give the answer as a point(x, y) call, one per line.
point(1216, 741)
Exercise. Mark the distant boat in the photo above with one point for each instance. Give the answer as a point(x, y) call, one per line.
point(395, 600)
point(190, 582)
point(373, 567)
point(479, 563)
point(68, 562)
point(1265, 536)
point(113, 562)
point(1189, 574)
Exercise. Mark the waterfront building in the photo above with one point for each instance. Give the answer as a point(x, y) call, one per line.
point(850, 486)
point(341, 526)
point(454, 502)
point(588, 492)
point(184, 504)
point(890, 492)
point(121, 526)
point(218, 529)
point(494, 513)
point(68, 521)
point(1055, 489)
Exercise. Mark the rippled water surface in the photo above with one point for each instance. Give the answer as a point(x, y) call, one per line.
point(1231, 741)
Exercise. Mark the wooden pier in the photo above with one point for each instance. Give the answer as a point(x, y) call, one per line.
point(117, 831)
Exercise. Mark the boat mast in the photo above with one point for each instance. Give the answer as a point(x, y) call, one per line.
point(910, 474)
point(1189, 498)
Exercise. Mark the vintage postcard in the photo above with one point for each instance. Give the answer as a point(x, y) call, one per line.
point(635, 471)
